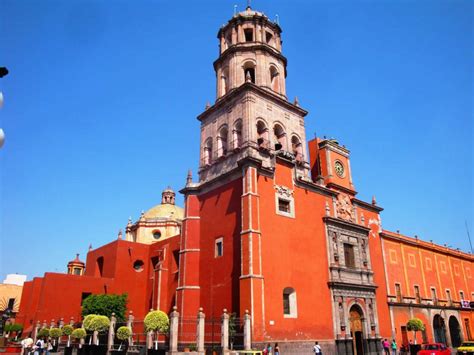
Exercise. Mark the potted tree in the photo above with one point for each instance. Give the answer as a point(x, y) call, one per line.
point(415, 325)
point(55, 334)
point(123, 334)
point(79, 334)
point(156, 322)
point(99, 325)
point(67, 330)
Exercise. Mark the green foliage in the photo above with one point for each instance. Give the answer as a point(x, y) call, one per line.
point(157, 321)
point(16, 327)
point(87, 321)
point(105, 305)
point(55, 332)
point(99, 324)
point(123, 333)
point(192, 347)
point(43, 333)
point(415, 324)
point(67, 329)
point(78, 333)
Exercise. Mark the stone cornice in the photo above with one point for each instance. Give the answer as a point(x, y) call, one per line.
point(340, 222)
point(342, 188)
point(351, 286)
point(250, 47)
point(367, 206)
point(300, 182)
point(257, 89)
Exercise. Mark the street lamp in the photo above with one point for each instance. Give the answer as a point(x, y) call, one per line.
point(3, 72)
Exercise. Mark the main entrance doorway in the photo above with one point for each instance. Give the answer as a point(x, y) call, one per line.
point(454, 331)
point(357, 331)
point(439, 329)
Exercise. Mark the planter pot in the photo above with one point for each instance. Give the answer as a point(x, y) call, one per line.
point(68, 350)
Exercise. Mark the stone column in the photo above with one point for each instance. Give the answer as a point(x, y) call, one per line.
point(35, 332)
point(130, 326)
point(174, 319)
point(200, 331)
point(110, 338)
point(247, 331)
point(225, 331)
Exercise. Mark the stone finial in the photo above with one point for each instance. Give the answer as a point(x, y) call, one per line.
point(208, 105)
point(90, 246)
point(119, 236)
point(248, 78)
point(328, 209)
point(224, 310)
point(189, 178)
point(296, 102)
point(374, 201)
point(142, 216)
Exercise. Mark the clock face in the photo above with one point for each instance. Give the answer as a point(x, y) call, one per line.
point(339, 168)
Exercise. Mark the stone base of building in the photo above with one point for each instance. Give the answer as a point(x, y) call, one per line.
point(329, 347)
point(372, 346)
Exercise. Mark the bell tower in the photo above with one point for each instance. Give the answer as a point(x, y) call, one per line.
point(251, 116)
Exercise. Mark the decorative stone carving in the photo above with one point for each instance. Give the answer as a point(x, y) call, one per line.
point(284, 191)
point(344, 208)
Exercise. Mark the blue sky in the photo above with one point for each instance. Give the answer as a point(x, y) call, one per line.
point(102, 97)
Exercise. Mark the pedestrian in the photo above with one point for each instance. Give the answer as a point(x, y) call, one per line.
point(277, 349)
point(317, 348)
point(386, 347)
point(394, 347)
point(269, 349)
point(48, 346)
point(265, 350)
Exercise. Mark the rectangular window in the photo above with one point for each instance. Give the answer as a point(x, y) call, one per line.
point(417, 294)
point(77, 271)
point(349, 255)
point(448, 297)
point(248, 32)
point(268, 37)
point(398, 291)
point(284, 206)
point(468, 329)
point(219, 248)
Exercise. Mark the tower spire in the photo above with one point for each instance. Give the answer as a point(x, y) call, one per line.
point(248, 4)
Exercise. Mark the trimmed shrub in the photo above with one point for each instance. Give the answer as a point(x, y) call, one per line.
point(123, 333)
point(100, 324)
point(78, 333)
point(416, 325)
point(88, 321)
point(67, 329)
point(55, 332)
point(43, 333)
point(16, 327)
point(105, 305)
point(157, 321)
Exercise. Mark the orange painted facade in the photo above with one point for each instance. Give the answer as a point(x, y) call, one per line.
point(275, 229)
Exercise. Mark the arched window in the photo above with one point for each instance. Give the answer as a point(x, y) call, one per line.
point(207, 152)
point(289, 303)
point(249, 72)
point(99, 266)
point(297, 148)
point(237, 135)
point(279, 137)
point(262, 135)
point(222, 141)
point(224, 87)
point(274, 79)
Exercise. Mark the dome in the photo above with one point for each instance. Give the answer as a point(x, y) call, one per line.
point(165, 211)
point(76, 261)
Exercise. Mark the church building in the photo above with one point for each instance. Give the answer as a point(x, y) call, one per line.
point(271, 225)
